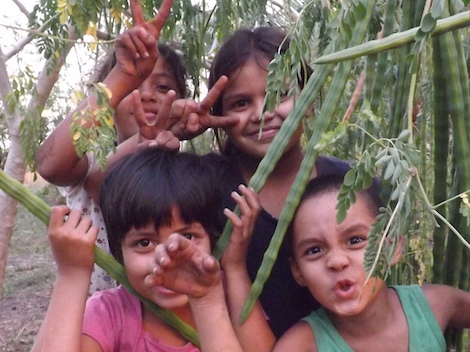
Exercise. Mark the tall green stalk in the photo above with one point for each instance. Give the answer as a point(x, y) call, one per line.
point(441, 154)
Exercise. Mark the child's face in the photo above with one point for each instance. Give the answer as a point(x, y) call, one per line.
point(328, 257)
point(244, 97)
point(138, 249)
point(152, 92)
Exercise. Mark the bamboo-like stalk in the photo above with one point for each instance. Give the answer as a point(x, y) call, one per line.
point(396, 40)
point(403, 84)
point(379, 76)
point(440, 156)
point(39, 208)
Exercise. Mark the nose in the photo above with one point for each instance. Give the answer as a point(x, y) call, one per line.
point(337, 260)
point(147, 93)
point(258, 113)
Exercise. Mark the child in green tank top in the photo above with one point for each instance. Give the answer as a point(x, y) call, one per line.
point(360, 315)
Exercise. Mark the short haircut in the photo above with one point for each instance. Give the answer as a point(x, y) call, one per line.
point(332, 183)
point(143, 187)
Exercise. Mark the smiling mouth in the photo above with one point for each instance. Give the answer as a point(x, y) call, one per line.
point(265, 133)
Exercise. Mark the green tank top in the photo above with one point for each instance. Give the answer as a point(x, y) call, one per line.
point(424, 331)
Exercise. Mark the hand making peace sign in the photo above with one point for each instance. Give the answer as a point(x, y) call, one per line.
point(136, 49)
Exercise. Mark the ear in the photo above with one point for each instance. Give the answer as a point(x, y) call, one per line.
point(398, 250)
point(296, 272)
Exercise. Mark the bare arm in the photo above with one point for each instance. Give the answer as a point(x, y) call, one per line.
point(254, 333)
point(298, 338)
point(183, 267)
point(136, 53)
point(72, 243)
point(450, 305)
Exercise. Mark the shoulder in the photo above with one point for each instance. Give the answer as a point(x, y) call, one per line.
point(298, 338)
point(450, 305)
point(112, 303)
point(112, 316)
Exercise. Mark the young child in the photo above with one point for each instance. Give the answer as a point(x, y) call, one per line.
point(360, 315)
point(146, 198)
point(135, 63)
point(244, 58)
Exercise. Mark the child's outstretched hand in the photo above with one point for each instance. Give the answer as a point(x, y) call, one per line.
point(136, 49)
point(72, 238)
point(189, 119)
point(234, 256)
point(181, 266)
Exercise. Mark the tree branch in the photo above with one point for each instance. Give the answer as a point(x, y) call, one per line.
point(22, 8)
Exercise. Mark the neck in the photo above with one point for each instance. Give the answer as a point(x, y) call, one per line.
point(288, 163)
point(377, 317)
point(159, 329)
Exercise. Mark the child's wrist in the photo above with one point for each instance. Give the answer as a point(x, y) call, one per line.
point(214, 296)
point(121, 85)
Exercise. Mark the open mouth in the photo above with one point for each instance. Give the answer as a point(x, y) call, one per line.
point(344, 288)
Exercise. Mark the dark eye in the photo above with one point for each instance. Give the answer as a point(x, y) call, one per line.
point(356, 240)
point(163, 88)
point(313, 250)
point(239, 104)
point(189, 236)
point(144, 243)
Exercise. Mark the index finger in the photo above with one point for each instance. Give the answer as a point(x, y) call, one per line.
point(137, 14)
point(213, 94)
point(57, 215)
point(161, 17)
point(164, 111)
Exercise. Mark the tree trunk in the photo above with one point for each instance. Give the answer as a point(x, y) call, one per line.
point(15, 166)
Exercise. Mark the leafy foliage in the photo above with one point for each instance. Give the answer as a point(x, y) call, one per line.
point(93, 128)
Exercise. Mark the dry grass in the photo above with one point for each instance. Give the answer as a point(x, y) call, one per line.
point(29, 278)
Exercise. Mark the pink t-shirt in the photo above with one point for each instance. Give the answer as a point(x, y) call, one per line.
point(114, 319)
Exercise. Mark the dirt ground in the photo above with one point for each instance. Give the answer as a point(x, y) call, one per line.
point(30, 274)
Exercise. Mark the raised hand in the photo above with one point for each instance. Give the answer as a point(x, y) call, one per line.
point(181, 266)
point(152, 129)
point(136, 49)
point(72, 240)
point(189, 119)
point(234, 255)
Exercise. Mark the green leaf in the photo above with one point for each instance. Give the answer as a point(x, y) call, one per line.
point(404, 135)
point(436, 8)
point(389, 170)
point(428, 23)
point(360, 12)
point(349, 178)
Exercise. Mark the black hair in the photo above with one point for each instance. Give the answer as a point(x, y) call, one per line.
point(172, 58)
point(332, 183)
point(243, 45)
point(143, 187)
